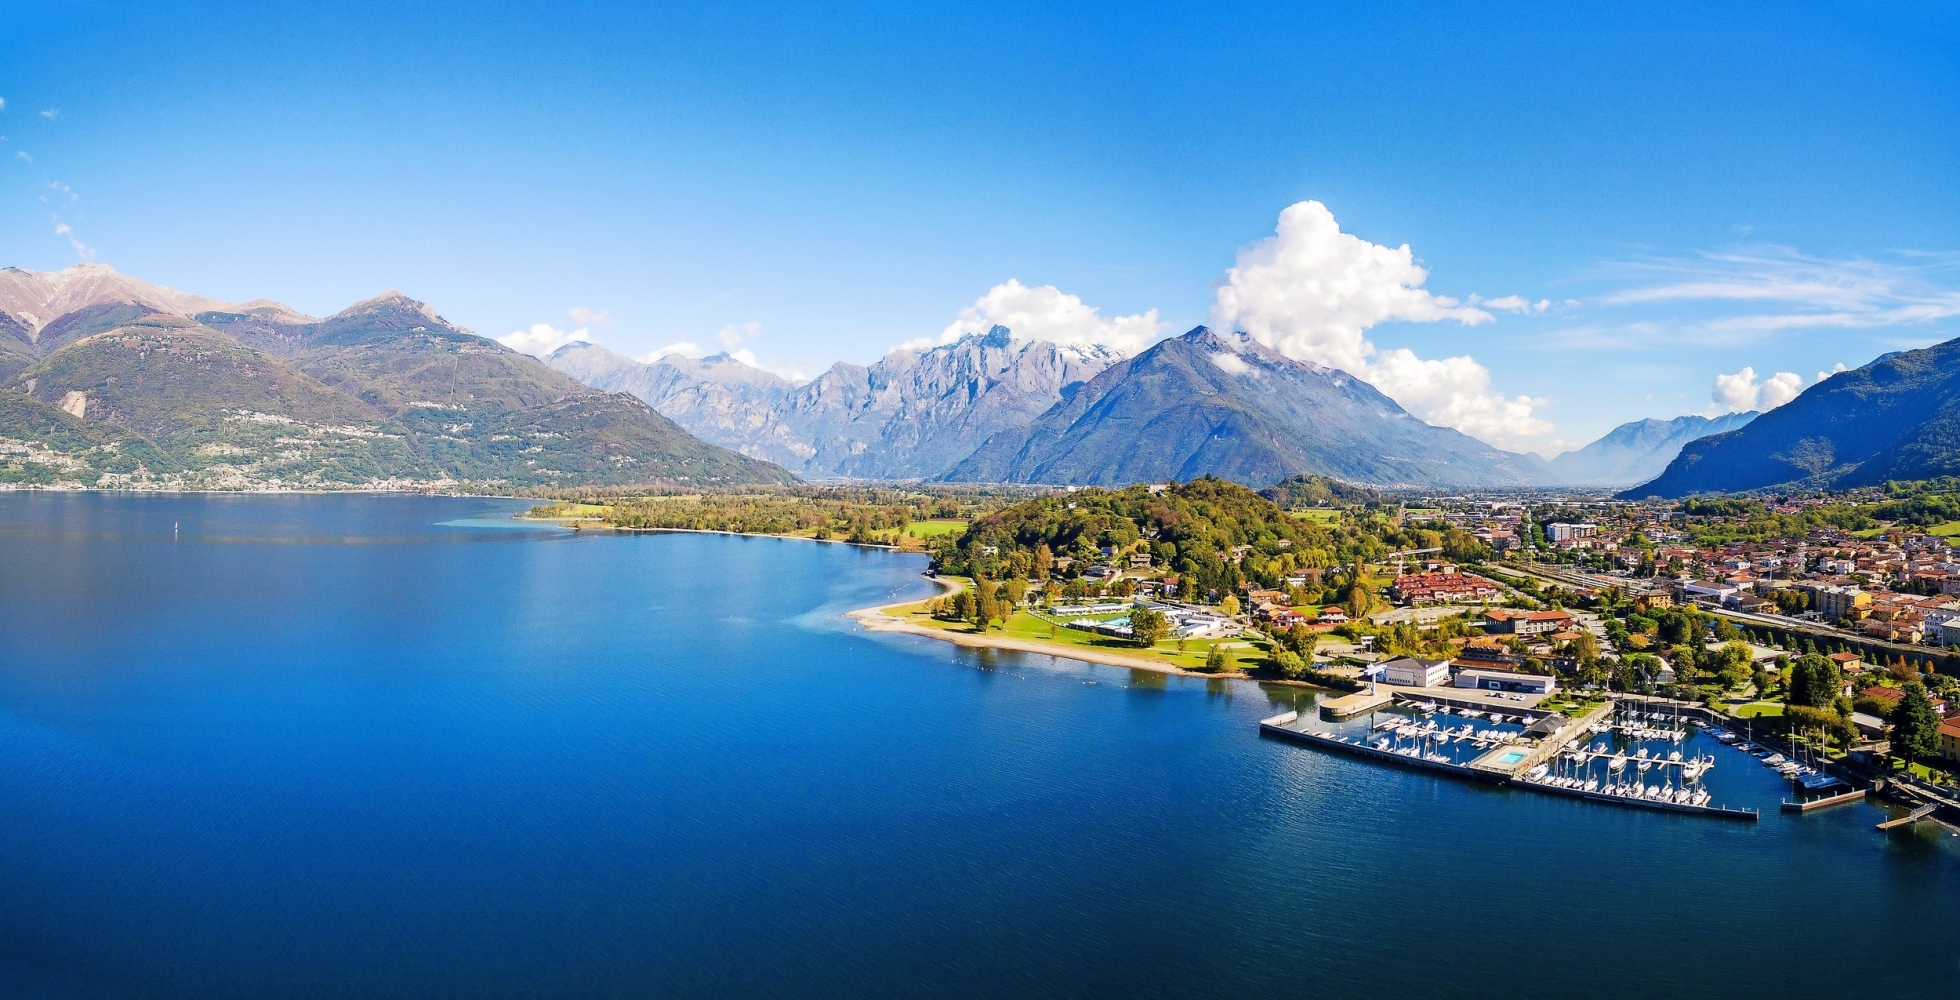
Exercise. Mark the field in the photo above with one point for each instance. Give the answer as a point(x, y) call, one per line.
point(1241, 654)
point(936, 527)
point(1318, 515)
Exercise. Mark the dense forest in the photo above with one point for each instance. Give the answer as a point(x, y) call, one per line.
point(1214, 533)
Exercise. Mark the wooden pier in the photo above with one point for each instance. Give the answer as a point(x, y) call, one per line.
point(1855, 795)
point(1909, 818)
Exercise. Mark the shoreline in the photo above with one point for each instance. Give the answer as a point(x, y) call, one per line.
point(875, 619)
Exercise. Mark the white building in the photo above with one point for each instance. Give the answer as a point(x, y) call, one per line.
point(1407, 671)
point(1504, 680)
point(1570, 532)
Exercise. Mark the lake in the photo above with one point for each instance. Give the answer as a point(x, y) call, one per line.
point(352, 746)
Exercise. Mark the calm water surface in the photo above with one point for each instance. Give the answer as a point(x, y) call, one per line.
point(385, 747)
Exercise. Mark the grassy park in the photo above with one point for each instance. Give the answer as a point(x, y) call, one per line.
point(1026, 626)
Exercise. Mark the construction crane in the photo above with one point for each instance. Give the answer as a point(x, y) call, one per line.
point(1408, 552)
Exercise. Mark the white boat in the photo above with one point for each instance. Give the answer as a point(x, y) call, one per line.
point(1674, 757)
point(1618, 763)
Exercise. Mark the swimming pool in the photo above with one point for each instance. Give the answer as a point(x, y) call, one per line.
point(1512, 757)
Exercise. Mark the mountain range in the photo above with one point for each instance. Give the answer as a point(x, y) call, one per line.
point(107, 380)
point(1895, 418)
point(1636, 452)
point(911, 415)
point(1227, 405)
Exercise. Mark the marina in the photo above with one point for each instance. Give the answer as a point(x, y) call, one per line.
point(1630, 761)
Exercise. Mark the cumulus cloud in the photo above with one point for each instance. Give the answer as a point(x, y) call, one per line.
point(1050, 314)
point(1740, 392)
point(1311, 292)
point(588, 317)
point(3, 104)
point(1839, 367)
point(542, 339)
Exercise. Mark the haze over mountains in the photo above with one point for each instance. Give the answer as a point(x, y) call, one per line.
point(1637, 451)
point(1895, 418)
point(112, 381)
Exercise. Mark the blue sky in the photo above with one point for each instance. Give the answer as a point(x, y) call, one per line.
point(1691, 189)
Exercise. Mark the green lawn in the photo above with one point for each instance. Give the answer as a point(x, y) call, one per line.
point(1319, 515)
point(936, 527)
point(1240, 654)
point(1757, 709)
point(1947, 530)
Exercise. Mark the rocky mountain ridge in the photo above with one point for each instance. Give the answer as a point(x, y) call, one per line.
point(1208, 403)
point(911, 415)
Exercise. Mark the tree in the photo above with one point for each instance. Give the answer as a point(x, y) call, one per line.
point(1289, 664)
point(1229, 607)
point(1814, 681)
point(1586, 648)
point(1915, 726)
point(1215, 660)
point(1148, 626)
point(1017, 590)
point(964, 608)
point(985, 608)
point(1044, 561)
point(1301, 640)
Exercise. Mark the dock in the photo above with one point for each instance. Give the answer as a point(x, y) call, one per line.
point(1855, 795)
point(1713, 812)
point(1286, 726)
point(1909, 818)
point(1348, 706)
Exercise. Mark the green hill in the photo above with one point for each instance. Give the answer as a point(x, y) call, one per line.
point(1896, 418)
point(386, 392)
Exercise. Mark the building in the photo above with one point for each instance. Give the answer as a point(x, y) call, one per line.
point(1417, 589)
point(1503, 680)
point(1839, 603)
point(1504, 621)
point(1408, 671)
point(1570, 532)
point(1950, 739)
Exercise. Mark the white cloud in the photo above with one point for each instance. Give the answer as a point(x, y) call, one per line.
point(589, 317)
point(1781, 289)
point(542, 339)
point(1231, 363)
point(1513, 303)
point(1740, 392)
point(732, 335)
point(3, 104)
point(684, 348)
point(82, 250)
point(1050, 314)
point(1312, 292)
point(1839, 367)
point(23, 157)
point(51, 114)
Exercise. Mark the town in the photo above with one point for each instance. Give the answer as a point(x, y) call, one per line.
point(1822, 626)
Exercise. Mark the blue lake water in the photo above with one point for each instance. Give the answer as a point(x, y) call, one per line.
point(393, 746)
